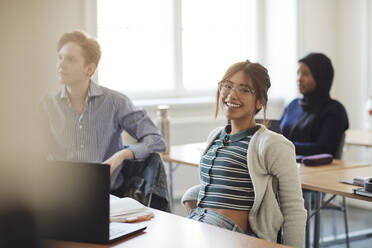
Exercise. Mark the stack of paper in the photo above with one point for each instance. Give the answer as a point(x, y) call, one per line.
point(128, 210)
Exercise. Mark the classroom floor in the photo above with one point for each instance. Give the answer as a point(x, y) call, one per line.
point(359, 220)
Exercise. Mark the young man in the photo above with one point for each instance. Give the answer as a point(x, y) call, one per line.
point(85, 120)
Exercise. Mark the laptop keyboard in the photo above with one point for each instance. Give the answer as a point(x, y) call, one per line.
point(118, 229)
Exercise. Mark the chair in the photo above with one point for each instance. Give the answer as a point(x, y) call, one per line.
point(340, 147)
point(145, 181)
point(274, 125)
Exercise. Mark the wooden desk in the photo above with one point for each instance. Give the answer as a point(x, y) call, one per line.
point(168, 231)
point(359, 138)
point(328, 182)
point(335, 165)
point(188, 154)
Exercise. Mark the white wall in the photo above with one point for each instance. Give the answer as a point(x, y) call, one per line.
point(351, 78)
point(317, 27)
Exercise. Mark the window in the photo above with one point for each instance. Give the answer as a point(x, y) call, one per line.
point(281, 48)
point(168, 48)
point(137, 45)
point(215, 35)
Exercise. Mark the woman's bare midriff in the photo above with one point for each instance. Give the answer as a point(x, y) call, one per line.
point(237, 216)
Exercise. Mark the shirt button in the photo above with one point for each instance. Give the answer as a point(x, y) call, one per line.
point(80, 126)
point(81, 146)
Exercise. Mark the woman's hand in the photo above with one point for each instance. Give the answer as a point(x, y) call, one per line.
point(190, 205)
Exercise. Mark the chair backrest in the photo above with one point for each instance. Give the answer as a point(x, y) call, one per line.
point(144, 181)
point(340, 147)
point(274, 125)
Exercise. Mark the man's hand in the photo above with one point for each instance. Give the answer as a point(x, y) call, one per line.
point(118, 158)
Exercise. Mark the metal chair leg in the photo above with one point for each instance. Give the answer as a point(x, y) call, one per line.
point(171, 170)
point(318, 199)
point(346, 222)
point(321, 223)
point(307, 196)
point(334, 221)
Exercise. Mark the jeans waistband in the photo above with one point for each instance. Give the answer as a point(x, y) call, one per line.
point(234, 226)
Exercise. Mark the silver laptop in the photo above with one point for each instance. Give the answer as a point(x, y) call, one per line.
point(71, 202)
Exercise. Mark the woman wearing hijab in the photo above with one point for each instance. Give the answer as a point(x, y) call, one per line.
point(315, 123)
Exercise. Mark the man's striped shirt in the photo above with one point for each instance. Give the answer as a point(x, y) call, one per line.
point(95, 134)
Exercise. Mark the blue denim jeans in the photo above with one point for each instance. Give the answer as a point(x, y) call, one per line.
point(216, 219)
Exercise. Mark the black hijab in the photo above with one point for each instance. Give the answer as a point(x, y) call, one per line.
point(322, 70)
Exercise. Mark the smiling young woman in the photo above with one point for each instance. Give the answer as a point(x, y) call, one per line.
point(244, 164)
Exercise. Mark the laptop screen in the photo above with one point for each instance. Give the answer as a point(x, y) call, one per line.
point(71, 200)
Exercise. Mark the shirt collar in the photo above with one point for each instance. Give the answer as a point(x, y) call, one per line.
point(93, 90)
point(238, 136)
point(63, 94)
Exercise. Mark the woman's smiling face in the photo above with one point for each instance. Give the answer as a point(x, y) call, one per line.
point(238, 98)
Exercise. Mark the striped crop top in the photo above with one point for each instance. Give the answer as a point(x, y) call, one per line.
point(225, 180)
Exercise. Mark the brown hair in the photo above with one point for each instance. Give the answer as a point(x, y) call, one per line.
point(260, 79)
point(91, 50)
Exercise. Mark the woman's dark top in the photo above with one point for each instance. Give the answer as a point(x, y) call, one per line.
point(314, 132)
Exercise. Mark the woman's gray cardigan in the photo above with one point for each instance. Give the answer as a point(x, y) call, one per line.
point(272, 168)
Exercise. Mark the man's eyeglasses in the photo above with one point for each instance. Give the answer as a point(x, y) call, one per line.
point(227, 86)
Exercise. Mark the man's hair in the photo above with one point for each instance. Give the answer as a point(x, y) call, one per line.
point(90, 47)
